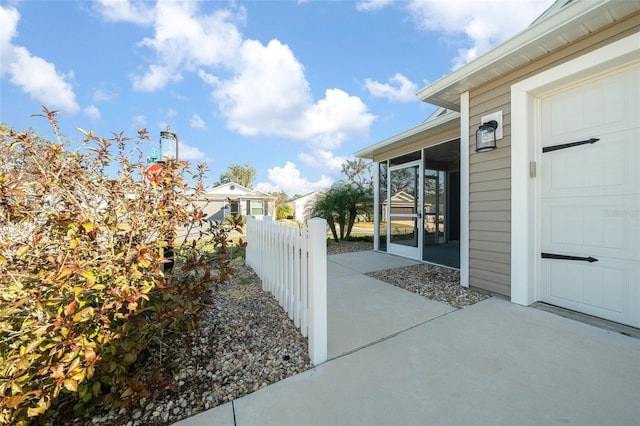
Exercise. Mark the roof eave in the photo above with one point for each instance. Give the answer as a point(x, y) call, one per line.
point(446, 91)
point(439, 122)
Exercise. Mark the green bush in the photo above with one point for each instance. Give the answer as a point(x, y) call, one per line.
point(284, 211)
point(363, 238)
point(84, 301)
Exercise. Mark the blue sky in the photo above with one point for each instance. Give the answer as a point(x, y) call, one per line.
point(292, 88)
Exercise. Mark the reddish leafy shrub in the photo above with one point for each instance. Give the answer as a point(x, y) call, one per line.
point(84, 301)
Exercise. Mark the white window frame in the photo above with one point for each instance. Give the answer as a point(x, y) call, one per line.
point(252, 207)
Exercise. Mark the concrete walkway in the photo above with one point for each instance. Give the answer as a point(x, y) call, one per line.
point(399, 359)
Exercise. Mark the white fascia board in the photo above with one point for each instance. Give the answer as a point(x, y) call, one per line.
point(241, 190)
point(527, 41)
point(427, 125)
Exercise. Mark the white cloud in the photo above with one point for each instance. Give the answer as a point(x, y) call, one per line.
point(270, 96)
point(32, 74)
point(398, 89)
point(9, 18)
point(40, 79)
point(190, 153)
point(171, 113)
point(334, 119)
point(288, 179)
point(137, 12)
point(92, 112)
point(156, 78)
point(101, 95)
point(139, 120)
point(369, 5)
point(182, 40)
point(210, 79)
point(482, 23)
point(268, 90)
point(196, 122)
point(323, 160)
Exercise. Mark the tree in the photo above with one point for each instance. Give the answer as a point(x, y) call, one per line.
point(404, 180)
point(359, 172)
point(281, 197)
point(325, 208)
point(241, 174)
point(341, 204)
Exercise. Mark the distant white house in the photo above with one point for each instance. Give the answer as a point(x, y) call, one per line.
point(303, 204)
point(232, 199)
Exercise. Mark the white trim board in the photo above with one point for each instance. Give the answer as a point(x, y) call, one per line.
point(525, 148)
point(464, 189)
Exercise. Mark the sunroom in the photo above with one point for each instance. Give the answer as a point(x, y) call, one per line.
point(417, 191)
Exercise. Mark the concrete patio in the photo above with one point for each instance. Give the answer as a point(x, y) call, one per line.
point(397, 358)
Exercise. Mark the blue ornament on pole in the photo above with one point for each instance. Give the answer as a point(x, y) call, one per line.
point(154, 156)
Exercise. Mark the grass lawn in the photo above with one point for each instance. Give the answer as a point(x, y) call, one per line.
point(364, 232)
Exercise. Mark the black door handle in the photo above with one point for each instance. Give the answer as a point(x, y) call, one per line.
point(565, 257)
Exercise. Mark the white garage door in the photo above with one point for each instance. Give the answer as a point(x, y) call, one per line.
point(590, 197)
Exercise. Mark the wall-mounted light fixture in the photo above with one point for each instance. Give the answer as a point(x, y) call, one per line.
point(486, 136)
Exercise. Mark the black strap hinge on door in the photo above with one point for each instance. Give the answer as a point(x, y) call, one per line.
point(565, 257)
point(569, 145)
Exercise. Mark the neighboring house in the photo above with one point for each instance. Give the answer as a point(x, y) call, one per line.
point(528, 219)
point(303, 205)
point(401, 202)
point(233, 199)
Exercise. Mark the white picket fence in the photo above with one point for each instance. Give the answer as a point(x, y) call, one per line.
point(291, 261)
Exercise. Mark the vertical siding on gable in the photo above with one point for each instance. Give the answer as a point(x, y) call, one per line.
point(490, 172)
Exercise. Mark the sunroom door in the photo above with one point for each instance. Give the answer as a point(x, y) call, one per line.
point(404, 211)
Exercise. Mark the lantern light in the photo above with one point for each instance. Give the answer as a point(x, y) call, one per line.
point(486, 136)
point(168, 145)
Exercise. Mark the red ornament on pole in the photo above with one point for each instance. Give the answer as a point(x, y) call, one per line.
point(154, 173)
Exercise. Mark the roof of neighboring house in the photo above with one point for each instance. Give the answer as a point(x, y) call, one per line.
point(308, 195)
point(401, 197)
point(564, 22)
point(234, 190)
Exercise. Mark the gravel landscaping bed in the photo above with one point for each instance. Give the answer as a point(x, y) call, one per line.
point(246, 341)
point(433, 282)
point(342, 247)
